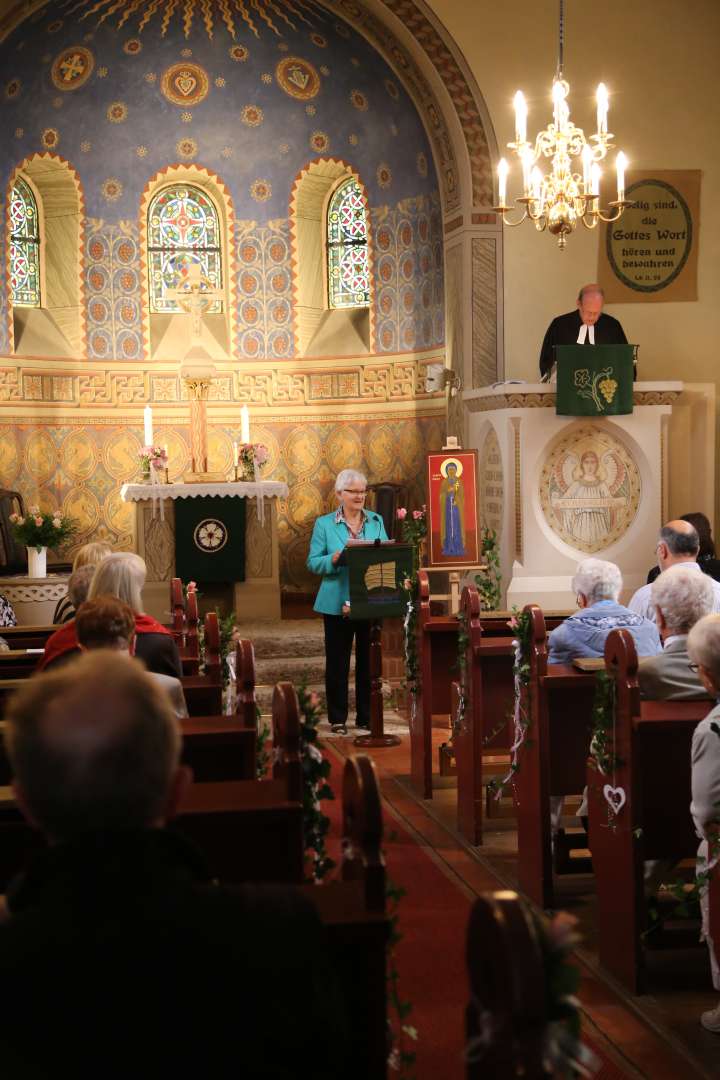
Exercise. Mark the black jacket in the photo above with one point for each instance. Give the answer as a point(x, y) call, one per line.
point(564, 330)
point(120, 959)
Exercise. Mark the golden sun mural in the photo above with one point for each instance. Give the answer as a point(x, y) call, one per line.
point(234, 15)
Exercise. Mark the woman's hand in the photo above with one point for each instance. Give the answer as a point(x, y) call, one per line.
point(335, 557)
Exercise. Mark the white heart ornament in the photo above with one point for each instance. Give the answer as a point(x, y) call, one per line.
point(615, 797)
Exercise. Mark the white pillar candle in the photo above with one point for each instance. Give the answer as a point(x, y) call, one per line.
point(147, 415)
point(236, 455)
point(503, 169)
point(595, 174)
point(245, 424)
point(521, 112)
point(621, 166)
point(601, 97)
point(526, 159)
point(586, 163)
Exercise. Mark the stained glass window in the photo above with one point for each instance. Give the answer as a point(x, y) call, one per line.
point(24, 246)
point(347, 246)
point(183, 234)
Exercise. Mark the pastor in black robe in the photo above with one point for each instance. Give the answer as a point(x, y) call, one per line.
point(564, 330)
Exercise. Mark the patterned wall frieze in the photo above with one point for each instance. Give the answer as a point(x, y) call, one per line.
point(376, 381)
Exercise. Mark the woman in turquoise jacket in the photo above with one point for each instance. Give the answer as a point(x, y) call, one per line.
point(351, 521)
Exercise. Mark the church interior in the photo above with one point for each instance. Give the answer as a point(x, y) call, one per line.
point(279, 224)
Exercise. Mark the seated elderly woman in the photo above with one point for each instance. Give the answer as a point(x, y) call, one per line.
point(681, 597)
point(597, 585)
point(121, 575)
point(89, 555)
point(704, 651)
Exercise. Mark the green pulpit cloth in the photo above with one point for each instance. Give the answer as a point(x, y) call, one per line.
point(377, 573)
point(210, 539)
point(594, 380)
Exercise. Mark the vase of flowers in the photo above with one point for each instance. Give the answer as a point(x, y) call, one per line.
point(153, 458)
point(414, 531)
point(250, 459)
point(40, 530)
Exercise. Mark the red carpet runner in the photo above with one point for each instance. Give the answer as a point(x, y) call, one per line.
point(431, 956)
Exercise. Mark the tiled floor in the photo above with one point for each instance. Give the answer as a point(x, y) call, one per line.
point(656, 1035)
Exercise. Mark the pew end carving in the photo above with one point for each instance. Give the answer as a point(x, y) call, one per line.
point(245, 700)
point(362, 831)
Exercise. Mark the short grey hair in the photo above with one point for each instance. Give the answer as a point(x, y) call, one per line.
point(684, 595)
point(121, 575)
point(685, 542)
point(597, 580)
point(349, 476)
point(84, 768)
point(590, 290)
point(704, 645)
point(79, 584)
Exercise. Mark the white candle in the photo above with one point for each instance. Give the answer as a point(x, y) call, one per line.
point(236, 455)
point(621, 166)
point(586, 163)
point(536, 184)
point(595, 174)
point(245, 424)
point(503, 169)
point(602, 108)
point(558, 95)
point(147, 415)
point(521, 112)
point(526, 159)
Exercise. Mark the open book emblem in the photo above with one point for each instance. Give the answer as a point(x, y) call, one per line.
point(381, 577)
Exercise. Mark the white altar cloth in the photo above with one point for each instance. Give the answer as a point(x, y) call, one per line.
point(258, 490)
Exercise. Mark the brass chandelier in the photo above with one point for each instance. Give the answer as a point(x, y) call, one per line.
point(557, 200)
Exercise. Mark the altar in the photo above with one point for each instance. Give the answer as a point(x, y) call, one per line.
point(258, 596)
point(557, 489)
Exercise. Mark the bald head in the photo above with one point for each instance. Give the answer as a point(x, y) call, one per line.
point(94, 745)
point(590, 303)
point(678, 542)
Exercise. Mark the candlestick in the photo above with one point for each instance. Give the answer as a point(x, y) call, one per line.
point(236, 455)
point(147, 416)
point(521, 113)
point(526, 159)
point(245, 424)
point(601, 97)
point(586, 163)
point(503, 169)
point(595, 173)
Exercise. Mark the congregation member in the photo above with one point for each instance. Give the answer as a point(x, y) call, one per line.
point(121, 575)
point(88, 555)
point(678, 545)
point(108, 623)
point(119, 957)
point(704, 652)
point(597, 585)
point(587, 325)
point(331, 533)
point(707, 557)
point(680, 597)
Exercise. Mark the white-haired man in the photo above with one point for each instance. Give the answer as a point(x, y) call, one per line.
point(681, 597)
point(597, 585)
point(678, 545)
point(704, 652)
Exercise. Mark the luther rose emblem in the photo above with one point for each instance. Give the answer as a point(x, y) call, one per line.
point(210, 536)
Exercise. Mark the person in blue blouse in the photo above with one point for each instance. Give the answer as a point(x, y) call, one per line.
point(351, 521)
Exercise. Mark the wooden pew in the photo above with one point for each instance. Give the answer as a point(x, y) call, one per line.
point(178, 619)
point(245, 700)
point(437, 644)
point(559, 701)
point(217, 748)
point(203, 693)
point(652, 747)
point(507, 1012)
point(18, 663)
point(190, 650)
point(253, 830)
point(27, 637)
point(482, 740)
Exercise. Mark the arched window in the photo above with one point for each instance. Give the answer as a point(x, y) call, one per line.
point(183, 230)
point(347, 248)
point(24, 246)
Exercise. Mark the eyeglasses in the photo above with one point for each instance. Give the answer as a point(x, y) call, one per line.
point(694, 668)
point(352, 491)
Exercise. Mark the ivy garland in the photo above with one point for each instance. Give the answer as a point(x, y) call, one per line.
point(521, 623)
point(402, 1057)
point(602, 742)
point(489, 585)
point(316, 770)
point(461, 667)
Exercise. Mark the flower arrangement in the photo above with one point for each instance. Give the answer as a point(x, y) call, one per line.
point(564, 1052)
point(42, 529)
point(316, 770)
point(155, 457)
point(489, 585)
point(250, 457)
point(414, 530)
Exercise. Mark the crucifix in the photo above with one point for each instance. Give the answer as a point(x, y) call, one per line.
point(194, 295)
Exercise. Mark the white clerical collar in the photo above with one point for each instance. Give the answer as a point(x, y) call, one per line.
point(584, 328)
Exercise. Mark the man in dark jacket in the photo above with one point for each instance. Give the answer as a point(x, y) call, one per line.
point(585, 326)
point(119, 958)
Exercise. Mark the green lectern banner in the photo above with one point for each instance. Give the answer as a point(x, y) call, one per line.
point(210, 539)
point(376, 573)
point(594, 380)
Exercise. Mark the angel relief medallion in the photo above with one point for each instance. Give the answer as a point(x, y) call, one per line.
point(589, 489)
